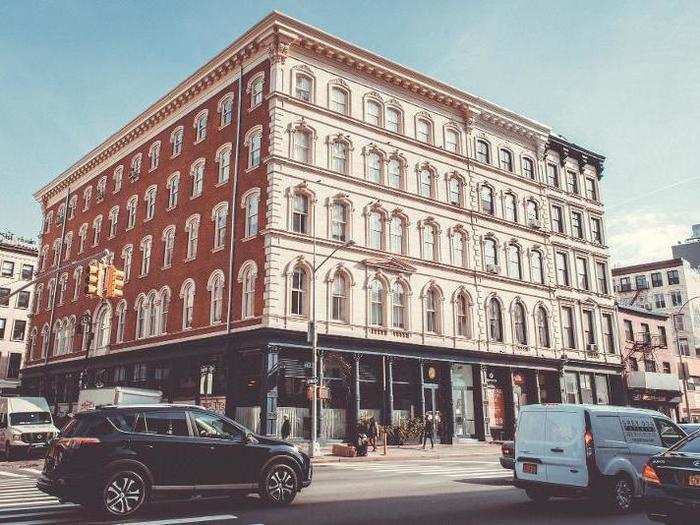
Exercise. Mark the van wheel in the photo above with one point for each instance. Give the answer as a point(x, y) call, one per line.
point(279, 484)
point(622, 494)
point(537, 495)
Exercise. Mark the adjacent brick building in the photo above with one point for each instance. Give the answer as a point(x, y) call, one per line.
point(478, 280)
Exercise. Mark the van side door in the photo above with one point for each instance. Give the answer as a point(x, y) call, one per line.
point(529, 446)
point(564, 450)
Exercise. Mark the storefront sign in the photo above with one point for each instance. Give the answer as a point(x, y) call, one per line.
point(214, 403)
point(497, 408)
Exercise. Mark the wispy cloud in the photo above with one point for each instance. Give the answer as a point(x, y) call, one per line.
point(638, 237)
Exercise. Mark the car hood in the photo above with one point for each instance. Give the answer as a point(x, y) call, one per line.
point(43, 427)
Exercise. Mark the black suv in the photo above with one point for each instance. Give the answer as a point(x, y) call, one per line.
point(117, 458)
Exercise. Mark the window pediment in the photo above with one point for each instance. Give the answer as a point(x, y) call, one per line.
point(390, 264)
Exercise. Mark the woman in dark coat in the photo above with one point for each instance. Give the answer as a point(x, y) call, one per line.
point(372, 433)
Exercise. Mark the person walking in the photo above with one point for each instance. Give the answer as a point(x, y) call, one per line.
point(428, 431)
point(286, 428)
point(372, 433)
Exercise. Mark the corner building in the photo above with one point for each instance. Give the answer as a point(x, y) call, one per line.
point(478, 280)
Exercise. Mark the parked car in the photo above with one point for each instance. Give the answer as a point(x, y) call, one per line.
point(508, 455)
point(672, 482)
point(588, 450)
point(25, 425)
point(116, 459)
point(690, 428)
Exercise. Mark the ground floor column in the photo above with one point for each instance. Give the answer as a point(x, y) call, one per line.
point(268, 391)
point(356, 394)
point(421, 384)
point(389, 416)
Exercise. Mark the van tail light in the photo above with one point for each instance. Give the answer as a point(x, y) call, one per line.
point(650, 476)
point(75, 443)
point(588, 442)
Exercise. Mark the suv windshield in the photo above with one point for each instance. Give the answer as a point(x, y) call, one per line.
point(30, 418)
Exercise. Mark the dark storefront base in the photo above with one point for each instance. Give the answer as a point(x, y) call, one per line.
point(263, 378)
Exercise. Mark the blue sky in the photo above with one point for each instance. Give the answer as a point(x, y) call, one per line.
point(622, 78)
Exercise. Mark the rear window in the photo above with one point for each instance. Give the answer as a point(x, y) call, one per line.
point(531, 426)
point(90, 426)
point(691, 446)
point(564, 427)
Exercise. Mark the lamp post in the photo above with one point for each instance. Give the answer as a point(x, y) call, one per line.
point(679, 314)
point(314, 447)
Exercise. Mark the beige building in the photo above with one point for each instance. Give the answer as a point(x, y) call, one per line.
point(17, 264)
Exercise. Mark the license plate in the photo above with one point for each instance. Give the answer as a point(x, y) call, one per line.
point(530, 468)
point(694, 480)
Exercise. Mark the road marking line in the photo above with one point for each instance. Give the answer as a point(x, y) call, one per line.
point(49, 507)
point(49, 511)
point(199, 519)
point(12, 475)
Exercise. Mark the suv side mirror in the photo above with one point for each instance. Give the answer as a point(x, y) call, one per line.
point(249, 439)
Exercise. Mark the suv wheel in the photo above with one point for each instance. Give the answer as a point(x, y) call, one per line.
point(279, 484)
point(622, 495)
point(9, 452)
point(124, 493)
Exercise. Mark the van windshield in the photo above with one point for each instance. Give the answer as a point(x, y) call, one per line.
point(30, 418)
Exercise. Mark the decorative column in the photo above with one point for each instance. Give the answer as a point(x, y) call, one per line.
point(484, 384)
point(356, 392)
point(422, 387)
point(268, 391)
point(390, 390)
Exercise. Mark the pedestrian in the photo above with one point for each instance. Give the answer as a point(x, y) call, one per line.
point(286, 428)
point(428, 431)
point(372, 433)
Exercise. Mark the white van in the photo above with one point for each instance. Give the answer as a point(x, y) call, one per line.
point(25, 424)
point(91, 398)
point(588, 450)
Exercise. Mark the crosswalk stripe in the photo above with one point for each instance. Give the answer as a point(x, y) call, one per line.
point(48, 511)
point(32, 470)
point(12, 475)
point(20, 503)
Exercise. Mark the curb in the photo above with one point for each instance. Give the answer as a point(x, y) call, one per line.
point(401, 456)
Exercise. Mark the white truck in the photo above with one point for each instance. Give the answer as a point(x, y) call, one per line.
point(91, 398)
point(25, 425)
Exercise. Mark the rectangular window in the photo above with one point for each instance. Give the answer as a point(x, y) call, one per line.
point(303, 88)
point(567, 326)
point(663, 338)
point(571, 388)
point(8, 269)
point(588, 327)
point(629, 332)
point(666, 367)
point(608, 334)
point(591, 192)
point(572, 182)
point(18, 330)
point(684, 349)
point(640, 282)
point(596, 230)
point(562, 269)
point(672, 276)
point(23, 299)
point(602, 277)
point(676, 298)
point(577, 224)
point(3, 324)
point(586, 384)
point(552, 175)
point(582, 273)
point(557, 219)
point(27, 272)
point(656, 279)
point(659, 300)
point(679, 322)
point(4, 296)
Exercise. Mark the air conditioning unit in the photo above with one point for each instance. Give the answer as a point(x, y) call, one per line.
point(592, 348)
point(493, 268)
point(535, 224)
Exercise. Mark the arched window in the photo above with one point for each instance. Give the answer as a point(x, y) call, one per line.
point(430, 247)
point(536, 268)
point(339, 157)
point(113, 219)
point(224, 161)
point(376, 231)
point(226, 110)
point(220, 218)
point(254, 146)
point(131, 212)
point(397, 234)
point(176, 138)
point(187, 295)
point(374, 167)
point(510, 210)
point(150, 199)
point(200, 127)
point(103, 328)
point(339, 221)
point(487, 203)
point(248, 306)
point(432, 311)
point(173, 185)
point(514, 266)
point(455, 191)
point(393, 120)
point(121, 322)
point(373, 113)
point(506, 160)
point(452, 140)
point(192, 228)
point(251, 214)
point(483, 152)
point(300, 213)
point(164, 309)
point(398, 306)
point(490, 253)
point(339, 100)
point(376, 299)
point(299, 295)
point(519, 323)
point(216, 291)
point(302, 146)
point(462, 316)
point(339, 306)
point(543, 327)
point(495, 316)
point(135, 172)
point(533, 214)
point(424, 130)
point(425, 183)
point(394, 172)
point(256, 92)
point(197, 174)
point(529, 168)
point(303, 87)
point(146, 245)
point(153, 155)
point(168, 246)
point(152, 311)
point(459, 251)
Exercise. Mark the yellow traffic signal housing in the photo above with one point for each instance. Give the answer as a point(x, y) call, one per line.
point(93, 284)
point(115, 282)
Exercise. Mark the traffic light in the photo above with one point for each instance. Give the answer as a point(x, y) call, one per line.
point(115, 282)
point(93, 280)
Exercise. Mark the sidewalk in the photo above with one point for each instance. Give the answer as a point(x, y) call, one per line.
point(409, 452)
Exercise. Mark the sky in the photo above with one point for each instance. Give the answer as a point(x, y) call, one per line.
point(621, 78)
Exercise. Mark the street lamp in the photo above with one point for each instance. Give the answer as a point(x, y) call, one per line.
point(679, 314)
point(314, 447)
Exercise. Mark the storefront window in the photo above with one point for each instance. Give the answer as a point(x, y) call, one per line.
point(571, 381)
point(601, 390)
point(586, 383)
point(463, 401)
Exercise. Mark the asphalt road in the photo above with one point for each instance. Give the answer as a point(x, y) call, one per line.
point(470, 490)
